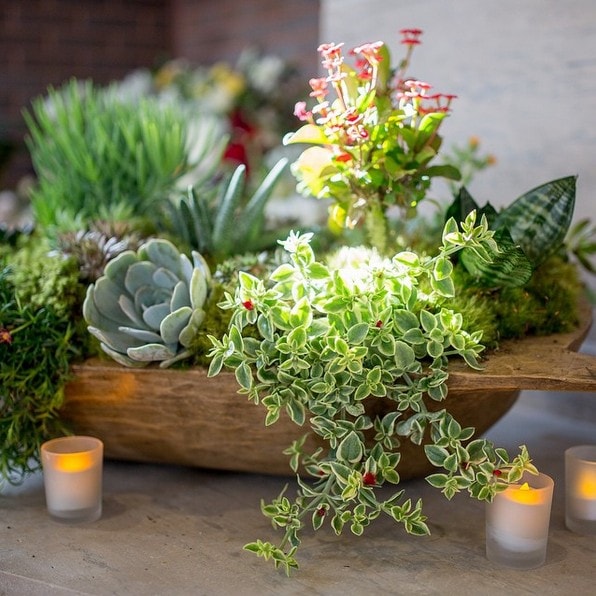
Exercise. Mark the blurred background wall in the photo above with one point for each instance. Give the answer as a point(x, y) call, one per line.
point(524, 73)
point(46, 42)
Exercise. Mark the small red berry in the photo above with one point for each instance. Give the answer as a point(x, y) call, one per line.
point(379, 324)
point(497, 473)
point(248, 305)
point(369, 479)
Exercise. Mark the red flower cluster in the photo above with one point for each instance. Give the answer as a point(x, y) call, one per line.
point(411, 37)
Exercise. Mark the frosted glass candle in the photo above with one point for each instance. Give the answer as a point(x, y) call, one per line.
point(517, 523)
point(72, 472)
point(580, 489)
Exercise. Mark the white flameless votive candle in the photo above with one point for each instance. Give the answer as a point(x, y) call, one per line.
point(580, 489)
point(72, 471)
point(517, 523)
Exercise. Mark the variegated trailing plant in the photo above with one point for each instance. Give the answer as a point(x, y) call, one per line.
point(317, 341)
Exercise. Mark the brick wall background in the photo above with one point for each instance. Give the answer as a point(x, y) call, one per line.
point(45, 42)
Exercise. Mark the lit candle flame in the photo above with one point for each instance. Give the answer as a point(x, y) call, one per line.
point(587, 486)
point(524, 494)
point(74, 462)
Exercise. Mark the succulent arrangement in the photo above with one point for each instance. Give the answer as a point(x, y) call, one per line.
point(125, 191)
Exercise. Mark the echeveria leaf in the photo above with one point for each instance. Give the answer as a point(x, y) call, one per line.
point(150, 353)
point(174, 323)
point(155, 314)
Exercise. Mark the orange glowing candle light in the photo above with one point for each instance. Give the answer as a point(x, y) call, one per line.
point(517, 523)
point(580, 489)
point(72, 468)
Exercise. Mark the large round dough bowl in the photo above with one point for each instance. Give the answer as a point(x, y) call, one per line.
point(186, 418)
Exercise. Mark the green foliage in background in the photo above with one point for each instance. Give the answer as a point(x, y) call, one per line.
point(100, 157)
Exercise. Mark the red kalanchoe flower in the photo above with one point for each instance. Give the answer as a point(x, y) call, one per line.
point(248, 305)
point(5, 336)
point(370, 51)
point(301, 112)
point(379, 324)
point(343, 157)
point(411, 37)
point(319, 87)
point(331, 54)
point(497, 473)
point(369, 479)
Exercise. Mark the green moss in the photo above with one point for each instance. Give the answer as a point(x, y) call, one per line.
point(216, 324)
point(547, 304)
point(46, 279)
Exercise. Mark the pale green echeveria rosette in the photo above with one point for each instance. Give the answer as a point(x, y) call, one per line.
point(148, 305)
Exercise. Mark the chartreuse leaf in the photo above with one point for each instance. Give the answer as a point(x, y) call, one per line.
point(309, 133)
point(538, 220)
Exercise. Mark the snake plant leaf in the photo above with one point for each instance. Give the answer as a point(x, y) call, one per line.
point(151, 306)
point(509, 267)
point(463, 204)
point(538, 220)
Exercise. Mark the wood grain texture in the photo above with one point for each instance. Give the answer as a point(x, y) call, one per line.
point(183, 417)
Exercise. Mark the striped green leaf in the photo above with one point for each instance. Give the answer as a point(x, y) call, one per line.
point(538, 220)
point(507, 268)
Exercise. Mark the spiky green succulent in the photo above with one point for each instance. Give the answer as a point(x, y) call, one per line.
point(221, 220)
point(149, 304)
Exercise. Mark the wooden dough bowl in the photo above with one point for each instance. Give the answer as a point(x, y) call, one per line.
point(185, 418)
